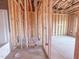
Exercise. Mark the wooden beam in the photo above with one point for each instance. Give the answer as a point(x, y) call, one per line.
point(22, 4)
point(15, 2)
point(76, 5)
point(25, 23)
point(29, 5)
point(50, 25)
point(64, 3)
point(55, 2)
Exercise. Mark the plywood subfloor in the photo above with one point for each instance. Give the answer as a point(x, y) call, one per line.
point(31, 53)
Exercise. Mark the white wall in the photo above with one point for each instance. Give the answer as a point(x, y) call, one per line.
point(4, 34)
point(4, 29)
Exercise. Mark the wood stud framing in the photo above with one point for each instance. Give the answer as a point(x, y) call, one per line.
point(43, 23)
point(16, 14)
point(59, 24)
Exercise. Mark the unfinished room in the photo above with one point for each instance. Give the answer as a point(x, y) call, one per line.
point(39, 29)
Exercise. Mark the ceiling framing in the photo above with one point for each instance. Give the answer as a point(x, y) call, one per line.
point(62, 6)
point(65, 5)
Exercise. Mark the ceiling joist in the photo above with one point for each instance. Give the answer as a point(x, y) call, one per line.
point(76, 5)
point(65, 5)
point(55, 2)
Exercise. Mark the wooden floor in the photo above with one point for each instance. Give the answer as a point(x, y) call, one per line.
point(31, 53)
